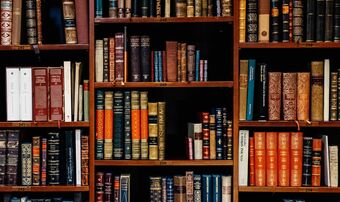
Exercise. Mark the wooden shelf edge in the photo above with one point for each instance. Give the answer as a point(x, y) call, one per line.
point(43, 124)
point(208, 84)
point(163, 162)
point(60, 188)
point(290, 189)
point(289, 124)
point(289, 45)
point(45, 47)
point(108, 20)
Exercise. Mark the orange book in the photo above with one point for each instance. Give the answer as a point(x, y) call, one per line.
point(108, 124)
point(271, 158)
point(260, 158)
point(144, 124)
point(316, 162)
point(251, 162)
point(99, 124)
point(135, 124)
point(296, 142)
point(283, 160)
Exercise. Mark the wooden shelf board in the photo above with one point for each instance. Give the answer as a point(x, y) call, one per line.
point(46, 47)
point(44, 188)
point(290, 189)
point(211, 84)
point(163, 162)
point(290, 45)
point(163, 20)
point(288, 124)
point(42, 124)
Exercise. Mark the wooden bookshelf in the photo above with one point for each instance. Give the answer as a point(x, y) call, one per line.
point(290, 189)
point(288, 124)
point(45, 47)
point(163, 162)
point(228, 19)
point(281, 45)
point(44, 124)
point(209, 84)
point(44, 188)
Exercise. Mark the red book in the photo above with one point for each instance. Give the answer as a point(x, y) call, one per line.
point(251, 162)
point(283, 163)
point(316, 162)
point(206, 134)
point(82, 21)
point(271, 158)
point(56, 81)
point(260, 158)
point(296, 142)
point(40, 93)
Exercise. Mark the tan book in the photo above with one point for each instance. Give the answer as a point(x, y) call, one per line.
point(16, 30)
point(212, 135)
point(198, 8)
point(243, 89)
point(242, 21)
point(161, 130)
point(334, 97)
point(303, 95)
point(183, 62)
point(153, 130)
point(333, 165)
point(264, 11)
point(317, 91)
point(274, 95)
point(180, 188)
point(289, 96)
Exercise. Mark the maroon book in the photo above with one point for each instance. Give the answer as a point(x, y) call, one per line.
point(56, 82)
point(82, 21)
point(119, 44)
point(40, 94)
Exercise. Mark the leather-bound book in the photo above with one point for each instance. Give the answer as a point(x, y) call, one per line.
point(145, 57)
point(135, 124)
point(329, 6)
point(227, 7)
point(16, 26)
point(242, 21)
point(53, 158)
point(271, 158)
point(310, 20)
point(338, 70)
point(108, 182)
point(128, 8)
point(144, 125)
point(69, 22)
point(251, 162)
point(100, 114)
point(179, 188)
point(298, 20)
point(155, 188)
point(106, 59)
point(152, 7)
point(39, 21)
point(31, 22)
point(135, 58)
point(40, 94)
point(181, 8)
point(43, 161)
point(99, 180)
point(283, 159)
point(296, 142)
point(198, 8)
point(153, 130)
point(3, 145)
point(285, 20)
point(303, 95)
point(334, 97)
point(212, 132)
point(26, 163)
point(274, 95)
point(320, 20)
point(191, 63)
point(161, 129)
point(6, 22)
point(127, 125)
point(264, 10)
point(274, 21)
point(111, 59)
point(108, 124)
point(56, 83)
point(262, 92)
point(171, 59)
point(307, 161)
point(84, 160)
point(317, 91)
point(204, 119)
point(119, 51)
point(12, 157)
point(243, 89)
point(260, 158)
point(336, 24)
point(289, 96)
point(144, 8)
point(252, 21)
point(113, 8)
point(121, 9)
point(135, 7)
point(82, 25)
point(183, 62)
point(316, 162)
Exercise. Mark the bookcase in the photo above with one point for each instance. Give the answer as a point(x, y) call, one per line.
point(296, 55)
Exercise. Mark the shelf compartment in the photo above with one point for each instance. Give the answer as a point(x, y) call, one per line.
point(229, 19)
point(53, 124)
point(289, 124)
point(290, 45)
point(45, 47)
point(290, 189)
point(164, 162)
point(211, 84)
point(44, 188)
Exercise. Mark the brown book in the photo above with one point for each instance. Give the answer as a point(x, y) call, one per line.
point(179, 62)
point(271, 158)
point(82, 21)
point(84, 160)
point(6, 22)
point(264, 10)
point(69, 20)
point(303, 95)
point(251, 162)
point(39, 22)
point(16, 29)
point(283, 160)
point(260, 158)
point(112, 59)
point(171, 60)
point(334, 97)
point(183, 62)
point(40, 94)
point(289, 96)
point(119, 56)
point(36, 160)
point(317, 91)
point(180, 188)
point(56, 86)
point(316, 162)
point(243, 89)
point(191, 63)
point(274, 96)
point(296, 142)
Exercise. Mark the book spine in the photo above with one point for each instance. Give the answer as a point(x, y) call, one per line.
point(289, 96)
point(171, 55)
point(155, 189)
point(316, 162)
point(69, 22)
point(116, 188)
point(127, 125)
point(106, 59)
point(274, 17)
point(285, 20)
point(336, 25)
point(145, 8)
point(152, 7)
point(198, 8)
point(40, 94)
point(217, 8)
point(226, 188)
point(99, 60)
point(263, 21)
point(16, 29)
point(310, 21)
point(179, 188)
point(191, 62)
point(251, 162)
point(53, 158)
point(307, 161)
point(118, 118)
point(225, 140)
point(303, 95)
point(99, 8)
point(226, 7)
point(217, 188)
point(260, 158)
point(252, 21)
point(145, 57)
point(121, 8)
point(39, 22)
point(6, 22)
point(119, 51)
point(204, 7)
point(99, 187)
point(56, 83)
point(296, 143)
point(31, 23)
point(161, 129)
point(181, 8)
point(81, 21)
point(329, 6)
point(77, 153)
point(243, 157)
point(164, 194)
point(326, 90)
point(153, 130)
point(100, 114)
point(251, 86)
point(320, 20)
point(243, 89)
point(263, 94)
point(112, 59)
point(333, 165)
point(124, 188)
point(26, 159)
point(274, 95)
point(338, 96)
point(206, 188)
point(325, 150)
point(135, 124)
point(84, 160)
point(43, 161)
point(144, 125)
point(196, 130)
point(108, 124)
point(334, 97)
point(135, 58)
point(283, 159)
point(197, 65)
point(70, 168)
point(3, 144)
point(317, 81)
point(86, 100)
point(13, 94)
point(212, 134)
point(36, 160)
point(206, 135)
point(197, 188)
point(298, 21)
point(158, 8)
point(108, 187)
point(113, 8)
point(271, 158)
point(12, 157)
point(291, 21)
point(242, 21)
point(67, 92)
point(189, 186)
point(135, 7)
point(219, 134)
point(183, 59)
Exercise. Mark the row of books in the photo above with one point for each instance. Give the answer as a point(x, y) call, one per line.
point(287, 159)
point(128, 126)
point(38, 24)
point(111, 187)
point(288, 95)
point(42, 159)
point(163, 8)
point(293, 200)
point(289, 21)
point(47, 93)
point(179, 62)
point(15, 198)
point(212, 137)
point(190, 187)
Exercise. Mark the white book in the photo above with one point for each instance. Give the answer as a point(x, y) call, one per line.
point(12, 93)
point(76, 91)
point(333, 165)
point(167, 8)
point(78, 156)
point(326, 160)
point(80, 102)
point(99, 61)
point(326, 90)
point(243, 154)
point(25, 94)
point(67, 92)
point(226, 188)
point(195, 132)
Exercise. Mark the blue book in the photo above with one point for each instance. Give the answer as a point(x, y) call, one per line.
point(251, 86)
point(197, 66)
point(15, 199)
point(160, 66)
point(125, 188)
point(156, 65)
point(118, 118)
point(69, 157)
point(205, 69)
point(99, 8)
point(197, 188)
point(127, 125)
point(219, 134)
point(217, 188)
point(170, 189)
point(206, 188)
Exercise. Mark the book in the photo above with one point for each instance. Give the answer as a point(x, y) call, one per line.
point(226, 188)
point(263, 20)
point(283, 160)
point(260, 158)
point(26, 159)
point(36, 160)
point(251, 86)
point(82, 26)
point(108, 125)
point(289, 96)
point(325, 158)
point(303, 95)
point(70, 166)
point(271, 158)
point(13, 94)
point(153, 130)
point(78, 158)
point(161, 129)
point(307, 161)
point(67, 92)
point(296, 147)
point(326, 90)
point(56, 82)
point(69, 21)
point(243, 89)
point(317, 78)
point(25, 94)
point(243, 157)
point(40, 94)
point(333, 165)
point(16, 23)
point(118, 126)
point(144, 125)
point(316, 162)
point(100, 114)
point(274, 95)
point(195, 133)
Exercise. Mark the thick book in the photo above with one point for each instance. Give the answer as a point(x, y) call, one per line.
point(118, 124)
point(13, 93)
point(6, 22)
point(53, 158)
point(251, 86)
point(289, 96)
point(135, 58)
point(99, 60)
point(296, 148)
point(12, 157)
point(153, 130)
point(144, 124)
point(56, 82)
point(207, 188)
point(26, 162)
point(119, 56)
point(127, 125)
point(31, 22)
point(243, 157)
point(82, 26)
point(212, 134)
point(336, 24)
point(99, 180)
point(320, 20)
point(329, 13)
point(195, 133)
point(252, 21)
point(108, 125)
point(283, 160)
point(135, 124)
point(274, 21)
point(243, 89)
point(100, 114)
point(16, 25)
point(285, 20)
point(40, 94)
point(155, 188)
point(70, 167)
point(303, 96)
point(263, 21)
point(271, 158)
point(310, 20)
point(316, 162)
point(3, 145)
point(262, 89)
point(274, 95)
point(84, 160)
point(307, 161)
point(333, 165)
point(298, 23)
point(171, 56)
point(145, 57)
point(317, 84)
point(69, 22)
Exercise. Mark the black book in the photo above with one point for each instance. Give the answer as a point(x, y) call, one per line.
point(336, 28)
point(152, 8)
point(53, 158)
point(145, 57)
point(285, 20)
point(275, 27)
point(252, 21)
point(145, 8)
point(135, 58)
point(320, 20)
point(135, 7)
point(310, 21)
point(329, 20)
point(69, 142)
point(307, 161)
point(262, 96)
